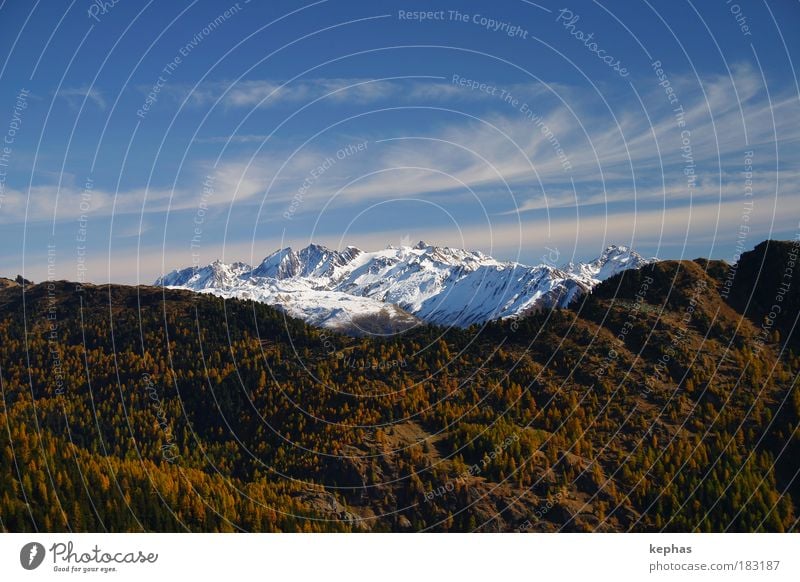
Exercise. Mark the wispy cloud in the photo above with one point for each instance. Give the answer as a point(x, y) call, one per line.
point(77, 96)
point(224, 139)
point(509, 158)
point(413, 89)
point(269, 93)
point(607, 156)
point(59, 203)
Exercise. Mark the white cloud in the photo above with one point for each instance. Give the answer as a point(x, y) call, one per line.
point(224, 139)
point(268, 93)
point(51, 202)
point(616, 165)
point(78, 95)
point(416, 90)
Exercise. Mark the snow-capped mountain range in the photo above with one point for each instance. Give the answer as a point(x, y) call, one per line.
point(382, 291)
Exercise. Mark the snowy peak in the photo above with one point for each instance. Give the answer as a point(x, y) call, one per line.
point(401, 287)
point(217, 275)
point(282, 264)
point(613, 260)
point(312, 261)
point(320, 261)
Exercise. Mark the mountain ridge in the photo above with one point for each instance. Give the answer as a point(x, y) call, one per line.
point(402, 285)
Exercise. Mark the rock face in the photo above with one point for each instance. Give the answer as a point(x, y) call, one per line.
point(396, 288)
point(760, 284)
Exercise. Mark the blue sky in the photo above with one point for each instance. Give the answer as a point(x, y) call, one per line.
point(145, 137)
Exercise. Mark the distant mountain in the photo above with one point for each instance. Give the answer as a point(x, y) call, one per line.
point(350, 290)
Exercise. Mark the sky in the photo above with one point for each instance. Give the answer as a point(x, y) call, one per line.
point(142, 137)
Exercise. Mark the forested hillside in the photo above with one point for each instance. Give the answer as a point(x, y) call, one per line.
point(651, 404)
